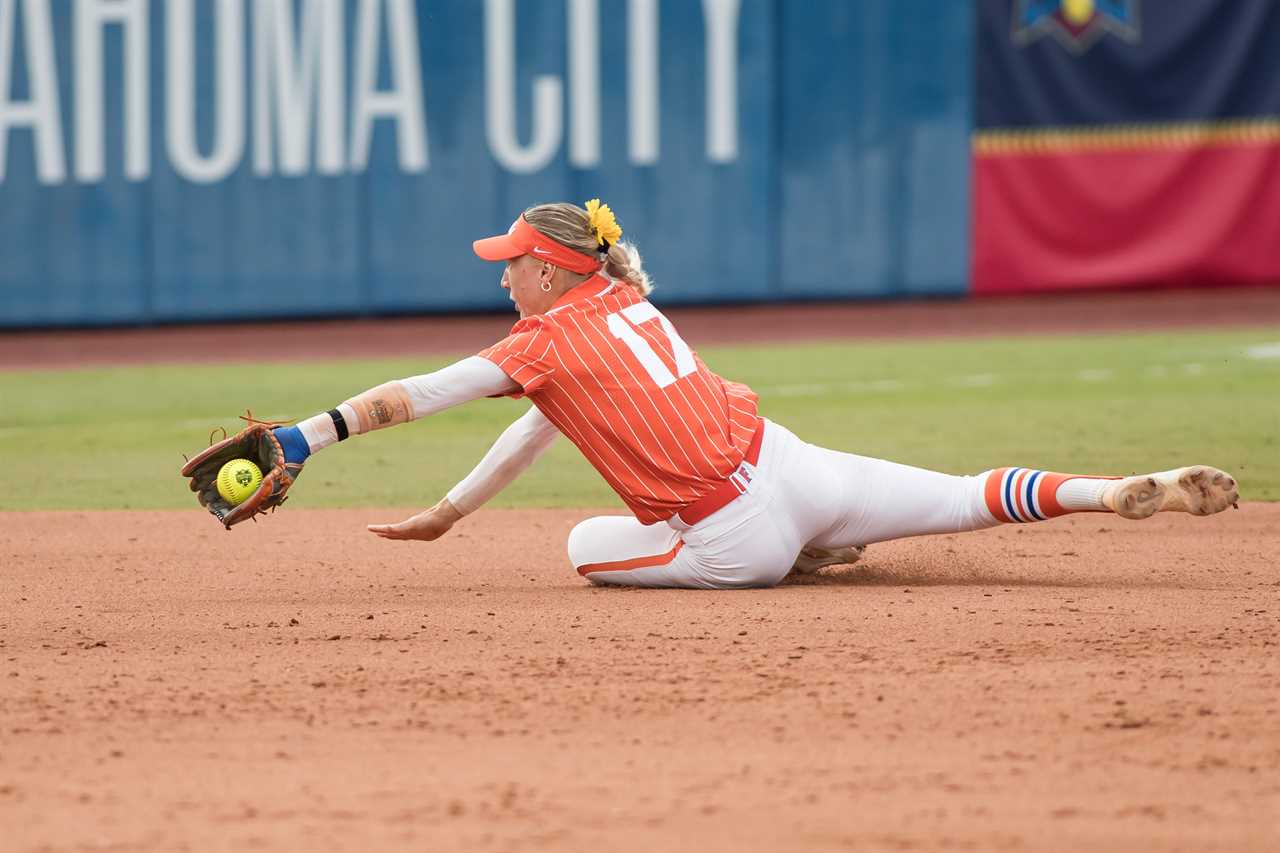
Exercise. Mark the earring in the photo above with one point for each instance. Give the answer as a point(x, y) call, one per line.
point(546, 286)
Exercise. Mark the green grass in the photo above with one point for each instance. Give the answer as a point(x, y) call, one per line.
point(114, 438)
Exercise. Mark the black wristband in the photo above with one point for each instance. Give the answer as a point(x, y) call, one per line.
point(339, 424)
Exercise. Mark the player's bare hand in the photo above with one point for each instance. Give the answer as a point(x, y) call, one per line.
point(427, 525)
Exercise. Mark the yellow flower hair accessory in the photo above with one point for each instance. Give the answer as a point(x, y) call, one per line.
point(605, 227)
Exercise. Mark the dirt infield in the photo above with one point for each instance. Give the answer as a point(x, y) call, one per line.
point(1087, 683)
point(332, 339)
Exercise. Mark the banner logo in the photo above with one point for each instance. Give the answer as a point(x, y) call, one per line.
point(1076, 24)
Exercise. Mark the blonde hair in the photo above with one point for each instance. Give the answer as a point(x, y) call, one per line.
point(568, 225)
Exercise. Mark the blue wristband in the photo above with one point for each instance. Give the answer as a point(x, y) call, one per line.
point(296, 449)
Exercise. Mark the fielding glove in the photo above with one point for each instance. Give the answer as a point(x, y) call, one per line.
point(258, 443)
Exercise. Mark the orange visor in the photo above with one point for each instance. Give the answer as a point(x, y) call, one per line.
point(524, 239)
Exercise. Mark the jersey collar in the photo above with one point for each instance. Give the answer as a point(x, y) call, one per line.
point(593, 287)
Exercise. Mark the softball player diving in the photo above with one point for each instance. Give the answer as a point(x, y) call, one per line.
point(720, 497)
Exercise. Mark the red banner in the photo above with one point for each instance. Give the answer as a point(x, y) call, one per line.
point(1148, 217)
point(1126, 143)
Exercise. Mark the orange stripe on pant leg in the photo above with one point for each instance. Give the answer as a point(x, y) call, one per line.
point(992, 494)
point(633, 563)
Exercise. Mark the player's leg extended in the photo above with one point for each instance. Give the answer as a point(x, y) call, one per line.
point(885, 500)
point(618, 550)
point(1021, 494)
point(740, 548)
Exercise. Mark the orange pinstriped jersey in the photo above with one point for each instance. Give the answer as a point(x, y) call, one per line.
point(615, 377)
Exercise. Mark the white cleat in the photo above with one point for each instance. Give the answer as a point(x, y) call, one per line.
point(812, 559)
point(1136, 497)
point(1197, 489)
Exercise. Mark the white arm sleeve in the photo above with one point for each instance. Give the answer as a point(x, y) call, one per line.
point(461, 382)
point(514, 451)
point(470, 379)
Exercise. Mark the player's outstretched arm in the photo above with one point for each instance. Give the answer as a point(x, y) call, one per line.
point(515, 450)
point(396, 402)
point(280, 451)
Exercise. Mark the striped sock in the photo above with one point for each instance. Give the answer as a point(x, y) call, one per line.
point(1025, 494)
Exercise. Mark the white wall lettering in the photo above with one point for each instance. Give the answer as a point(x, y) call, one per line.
point(584, 83)
point(180, 103)
point(722, 79)
point(311, 94)
point(403, 101)
point(91, 19)
point(500, 97)
point(643, 125)
point(296, 80)
point(40, 111)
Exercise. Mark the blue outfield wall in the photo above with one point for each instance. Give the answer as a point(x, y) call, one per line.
point(218, 159)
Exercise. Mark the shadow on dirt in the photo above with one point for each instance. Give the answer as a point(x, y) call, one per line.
point(924, 576)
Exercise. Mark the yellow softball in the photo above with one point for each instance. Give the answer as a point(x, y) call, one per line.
point(238, 479)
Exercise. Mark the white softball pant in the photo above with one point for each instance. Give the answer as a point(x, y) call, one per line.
point(799, 495)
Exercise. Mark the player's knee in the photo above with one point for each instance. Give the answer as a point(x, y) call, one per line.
point(583, 542)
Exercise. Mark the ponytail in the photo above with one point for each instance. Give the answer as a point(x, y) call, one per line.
point(625, 264)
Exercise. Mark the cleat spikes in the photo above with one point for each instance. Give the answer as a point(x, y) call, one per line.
point(1197, 490)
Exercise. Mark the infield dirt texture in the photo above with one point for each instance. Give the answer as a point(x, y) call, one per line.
point(1083, 684)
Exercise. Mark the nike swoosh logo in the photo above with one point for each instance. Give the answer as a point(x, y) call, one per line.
point(538, 251)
